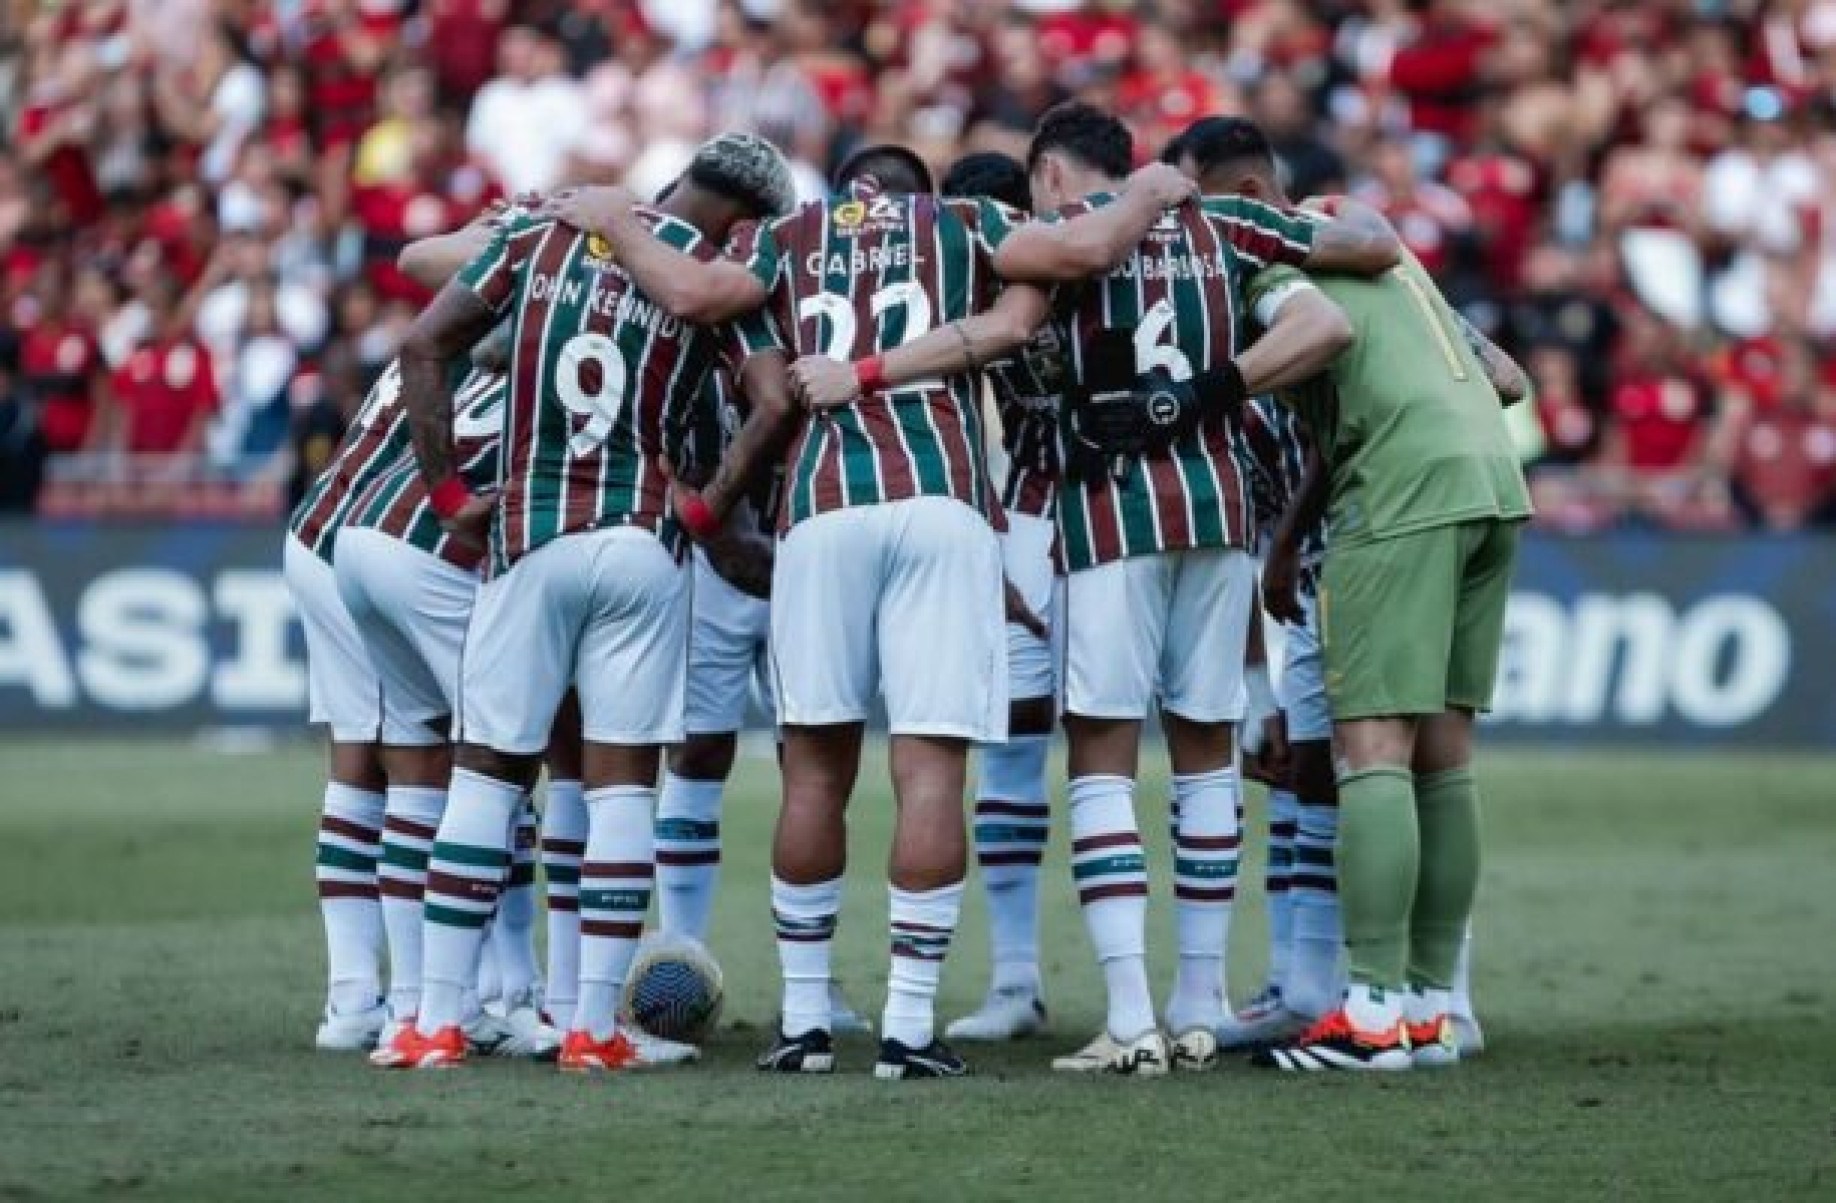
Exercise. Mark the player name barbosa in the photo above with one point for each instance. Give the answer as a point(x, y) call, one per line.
point(620, 307)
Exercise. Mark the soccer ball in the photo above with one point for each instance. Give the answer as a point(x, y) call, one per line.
point(674, 990)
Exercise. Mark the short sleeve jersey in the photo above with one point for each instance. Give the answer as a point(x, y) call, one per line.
point(396, 501)
point(1408, 423)
point(1181, 295)
point(598, 374)
point(863, 273)
point(376, 440)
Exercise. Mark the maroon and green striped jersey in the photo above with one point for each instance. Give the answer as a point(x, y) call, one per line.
point(376, 440)
point(1181, 296)
point(396, 502)
point(598, 375)
point(716, 418)
point(864, 273)
point(1029, 388)
point(1275, 445)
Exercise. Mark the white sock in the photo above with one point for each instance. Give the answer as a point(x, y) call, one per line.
point(409, 825)
point(513, 931)
point(1462, 994)
point(922, 924)
point(805, 917)
point(564, 833)
point(688, 854)
point(1284, 816)
point(488, 985)
point(350, 841)
point(615, 885)
point(1012, 823)
point(465, 874)
point(1111, 876)
point(1373, 1008)
point(1204, 889)
point(1312, 986)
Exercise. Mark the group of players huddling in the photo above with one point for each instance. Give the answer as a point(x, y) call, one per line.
point(633, 456)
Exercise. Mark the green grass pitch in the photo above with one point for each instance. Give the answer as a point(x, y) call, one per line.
point(1657, 977)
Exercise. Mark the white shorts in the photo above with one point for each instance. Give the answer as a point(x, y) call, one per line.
point(905, 597)
point(1302, 688)
point(1169, 627)
point(412, 608)
point(605, 611)
point(727, 653)
point(1026, 553)
point(342, 690)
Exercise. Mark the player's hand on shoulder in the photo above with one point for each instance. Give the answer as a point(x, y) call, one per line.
point(590, 209)
point(824, 383)
point(1165, 185)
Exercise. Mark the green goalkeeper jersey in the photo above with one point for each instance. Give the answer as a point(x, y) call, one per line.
point(1406, 419)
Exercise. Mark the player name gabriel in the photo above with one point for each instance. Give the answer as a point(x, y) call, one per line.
point(628, 306)
point(858, 260)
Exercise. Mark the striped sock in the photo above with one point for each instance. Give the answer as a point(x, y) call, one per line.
point(615, 885)
point(1012, 823)
point(564, 832)
point(465, 873)
point(1111, 875)
point(409, 824)
point(922, 923)
point(1284, 812)
point(350, 841)
point(688, 854)
point(1312, 987)
point(513, 931)
point(1204, 888)
point(805, 918)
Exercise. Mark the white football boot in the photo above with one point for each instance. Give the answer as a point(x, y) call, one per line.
point(355, 1032)
point(1007, 1014)
point(1144, 1056)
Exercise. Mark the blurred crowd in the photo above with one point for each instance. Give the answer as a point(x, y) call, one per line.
point(201, 200)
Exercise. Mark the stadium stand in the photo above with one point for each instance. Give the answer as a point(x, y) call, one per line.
point(200, 200)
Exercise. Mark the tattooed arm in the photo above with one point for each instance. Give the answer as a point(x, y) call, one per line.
point(444, 332)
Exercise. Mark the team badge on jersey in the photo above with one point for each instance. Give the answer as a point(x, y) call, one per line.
point(599, 249)
point(850, 214)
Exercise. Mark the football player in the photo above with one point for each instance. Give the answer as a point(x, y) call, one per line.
point(343, 690)
point(587, 585)
point(1424, 500)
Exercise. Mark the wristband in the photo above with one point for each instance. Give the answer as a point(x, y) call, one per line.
point(871, 372)
point(696, 515)
point(449, 496)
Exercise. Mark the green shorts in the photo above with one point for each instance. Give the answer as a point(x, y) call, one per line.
point(1412, 624)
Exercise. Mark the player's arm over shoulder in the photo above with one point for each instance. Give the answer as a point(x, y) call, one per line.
point(1304, 331)
point(1352, 237)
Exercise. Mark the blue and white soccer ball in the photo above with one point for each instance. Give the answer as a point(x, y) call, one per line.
point(674, 990)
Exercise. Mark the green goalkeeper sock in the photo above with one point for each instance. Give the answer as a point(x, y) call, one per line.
point(1447, 809)
point(1378, 855)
